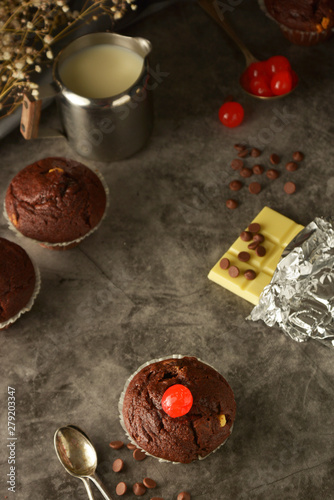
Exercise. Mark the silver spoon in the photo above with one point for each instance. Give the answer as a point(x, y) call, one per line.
point(78, 456)
point(211, 7)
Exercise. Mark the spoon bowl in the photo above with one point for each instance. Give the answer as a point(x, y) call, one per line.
point(78, 456)
point(210, 7)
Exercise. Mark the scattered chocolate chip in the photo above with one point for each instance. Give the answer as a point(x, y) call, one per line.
point(290, 187)
point(275, 159)
point(298, 156)
point(138, 455)
point(184, 495)
point(235, 185)
point(254, 227)
point(117, 465)
point(258, 169)
point(272, 173)
point(246, 172)
point(149, 483)
point(250, 274)
point(237, 164)
point(224, 263)
point(260, 251)
point(139, 489)
point(259, 238)
point(253, 245)
point(239, 147)
point(244, 153)
point(243, 256)
point(254, 187)
point(255, 152)
point(234, 271)
point(157, 498)
point(232, 204)
point(121, 488)
point(116, 445)
point(291, 166)
point(131, 446)
point(246, 236)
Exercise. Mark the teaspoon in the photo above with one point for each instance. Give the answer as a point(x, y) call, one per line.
point(212, 8)
point(78, 456)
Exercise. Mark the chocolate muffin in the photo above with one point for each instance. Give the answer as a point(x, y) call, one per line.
point(304, 22)
point(55, 200)
point(17, 282)
point(195, 434)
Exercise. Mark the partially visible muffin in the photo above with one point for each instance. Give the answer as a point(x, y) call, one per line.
point(55, 200)
point(191, 436)
point(17, 282)
point(304, 22)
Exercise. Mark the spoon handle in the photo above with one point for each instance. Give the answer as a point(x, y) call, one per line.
point(211, 7)
point(88, 488)
point(100, 486)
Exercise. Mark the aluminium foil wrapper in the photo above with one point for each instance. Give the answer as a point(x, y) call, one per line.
point(300, 297)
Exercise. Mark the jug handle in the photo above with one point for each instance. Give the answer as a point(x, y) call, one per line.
point(30, 116)
point(31, 113)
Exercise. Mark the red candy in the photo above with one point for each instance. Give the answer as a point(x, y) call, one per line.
point(281, 83)
point(231, 114)
point(177, 400)
point(269, 78)
point(277, 63)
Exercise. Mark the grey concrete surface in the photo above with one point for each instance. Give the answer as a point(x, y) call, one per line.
point(137, 289)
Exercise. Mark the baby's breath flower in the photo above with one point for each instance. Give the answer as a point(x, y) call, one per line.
point(24, 24)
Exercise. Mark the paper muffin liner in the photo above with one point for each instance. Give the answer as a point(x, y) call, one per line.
point(28, 306)
point(66, 245)
point(299, 37)
point(121, 401)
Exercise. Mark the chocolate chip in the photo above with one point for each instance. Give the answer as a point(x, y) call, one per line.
point(255, 152)
point(224, 263)
point(243, 153)
point(275, 159)
point(237, 164)
point(235, 185)
point(291, 166)
point(157, 498)
point(234, 271)
point(298, 156)
point(184, 495)
point(246, 172)
point(246, 236)
point(254, 187)
point(259, 238)
point(138, 455)
point(232, 204)
point(253, 245)
point(258, 169)
point(121, 488)
point(149, 483)
point(254, 227)
point(139, 489)
point(272, 173)
point(290, 187)
point(243, 256)
point(260, 251)
point(117, 465)
point(250, 274)
point(116, 445)
point(131, 446)
point(239, 147)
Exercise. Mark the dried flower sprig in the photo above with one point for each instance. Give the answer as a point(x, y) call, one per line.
point(29, 30)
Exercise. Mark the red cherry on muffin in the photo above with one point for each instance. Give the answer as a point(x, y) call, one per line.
point(177, 400)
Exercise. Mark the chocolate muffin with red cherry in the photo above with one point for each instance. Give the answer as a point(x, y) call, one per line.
point(178, 409)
